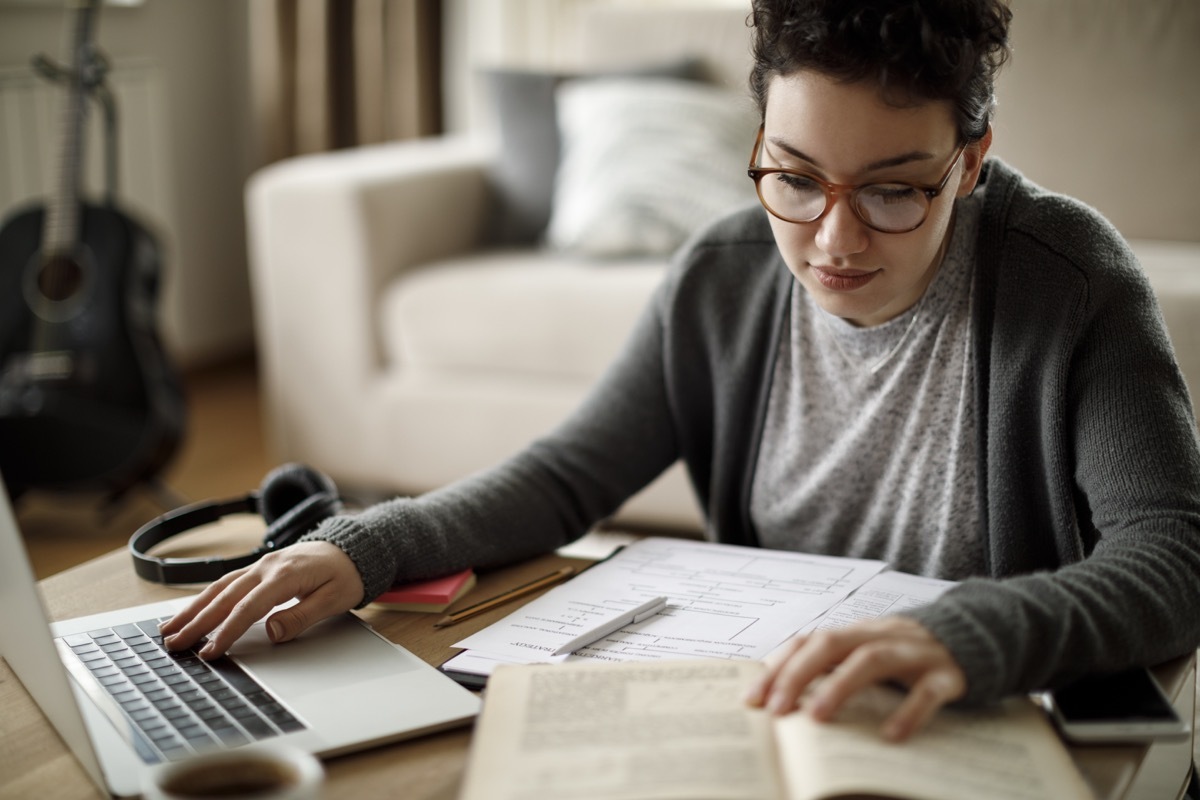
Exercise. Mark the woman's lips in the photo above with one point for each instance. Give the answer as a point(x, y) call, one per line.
point(843, 280)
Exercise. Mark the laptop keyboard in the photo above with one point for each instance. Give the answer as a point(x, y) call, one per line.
point(179, 703)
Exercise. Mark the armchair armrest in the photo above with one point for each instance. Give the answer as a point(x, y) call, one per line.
point(325, 233)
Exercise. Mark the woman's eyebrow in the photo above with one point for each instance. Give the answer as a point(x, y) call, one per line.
point(891, 161)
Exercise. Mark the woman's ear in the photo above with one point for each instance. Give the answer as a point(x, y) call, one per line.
point(973, 162)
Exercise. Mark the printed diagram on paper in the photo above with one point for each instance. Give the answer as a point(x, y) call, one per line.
point(885, 593)
point(724, 601)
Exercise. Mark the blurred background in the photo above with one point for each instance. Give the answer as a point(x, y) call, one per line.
point(209, 92)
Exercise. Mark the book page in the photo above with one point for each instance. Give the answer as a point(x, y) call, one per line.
point(626, 731)
point(1009, 752)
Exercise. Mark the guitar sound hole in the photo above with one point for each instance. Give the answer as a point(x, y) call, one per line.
point(60, 279)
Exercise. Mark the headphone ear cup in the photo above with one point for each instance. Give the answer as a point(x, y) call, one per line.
point(293, 500)
point(287, 486)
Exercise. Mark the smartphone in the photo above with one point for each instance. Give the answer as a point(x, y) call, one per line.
point(1125, 707)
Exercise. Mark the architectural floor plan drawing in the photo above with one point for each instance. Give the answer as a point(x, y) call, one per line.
point(724, 601)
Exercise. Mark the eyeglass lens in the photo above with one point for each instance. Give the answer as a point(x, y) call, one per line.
point(884, 206)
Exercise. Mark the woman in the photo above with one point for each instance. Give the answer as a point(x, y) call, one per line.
point(907, 352)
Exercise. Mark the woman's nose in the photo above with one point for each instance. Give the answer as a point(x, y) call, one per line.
point(840, 233)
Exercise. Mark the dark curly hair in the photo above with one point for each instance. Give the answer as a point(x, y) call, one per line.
point(915, 50)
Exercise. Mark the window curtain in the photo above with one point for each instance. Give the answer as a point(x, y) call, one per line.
point(328, 74)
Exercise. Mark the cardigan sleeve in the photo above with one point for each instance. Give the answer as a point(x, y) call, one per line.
point(1093, 472)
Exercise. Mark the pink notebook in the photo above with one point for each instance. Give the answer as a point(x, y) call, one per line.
point(433, 596)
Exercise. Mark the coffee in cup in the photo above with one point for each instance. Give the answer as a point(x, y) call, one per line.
point(262, 772)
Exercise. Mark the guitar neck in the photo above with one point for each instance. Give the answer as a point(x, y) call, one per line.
point(61, 230)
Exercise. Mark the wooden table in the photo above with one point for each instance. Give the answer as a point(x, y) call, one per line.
point(34, 762)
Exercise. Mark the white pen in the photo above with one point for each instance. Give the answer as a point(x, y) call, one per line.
point(643, 612)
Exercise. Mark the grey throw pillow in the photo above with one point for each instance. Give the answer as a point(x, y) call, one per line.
point(522, 180)
point(647, 162)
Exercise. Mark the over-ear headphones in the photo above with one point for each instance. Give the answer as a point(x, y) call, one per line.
point(293, 499)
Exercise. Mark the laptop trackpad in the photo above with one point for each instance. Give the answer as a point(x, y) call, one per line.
point(340, 652)
point(352, 686)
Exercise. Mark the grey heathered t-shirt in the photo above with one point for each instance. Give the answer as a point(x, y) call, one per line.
point(869, 445)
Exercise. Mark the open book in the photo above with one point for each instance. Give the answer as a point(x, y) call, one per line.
point(680, 729)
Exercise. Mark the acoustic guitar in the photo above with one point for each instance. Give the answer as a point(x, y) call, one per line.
point(88, 399)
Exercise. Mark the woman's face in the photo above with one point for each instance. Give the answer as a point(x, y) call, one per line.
point(845, 133)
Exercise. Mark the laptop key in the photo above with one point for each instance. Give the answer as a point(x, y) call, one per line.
point(167, 705)
point(192, 731)
point(149, 627)
point(128, 631)
point(136, 702)
point(176, 753)
point(234, 675)
point(74, 640)
point(289, 725)
point(231, 736)
point(257, 728)
point(226, 697)
point(161, 732)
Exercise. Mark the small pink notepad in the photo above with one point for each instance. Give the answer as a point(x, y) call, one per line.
point(433, 596)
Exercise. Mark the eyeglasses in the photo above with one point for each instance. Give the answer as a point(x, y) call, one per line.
point(797, 196)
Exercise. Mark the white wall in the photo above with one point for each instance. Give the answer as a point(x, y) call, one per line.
point(199, 47)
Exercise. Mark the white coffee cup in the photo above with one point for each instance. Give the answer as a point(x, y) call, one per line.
point(261, 771)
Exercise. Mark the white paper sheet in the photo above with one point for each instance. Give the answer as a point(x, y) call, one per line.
point(724, 601)
point(885, 593)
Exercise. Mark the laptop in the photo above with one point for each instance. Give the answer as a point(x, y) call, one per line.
point(122, 704)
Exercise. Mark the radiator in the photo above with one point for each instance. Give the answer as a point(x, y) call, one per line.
point(31, 116)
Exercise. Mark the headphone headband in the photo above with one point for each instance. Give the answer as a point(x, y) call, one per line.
point(293, 500)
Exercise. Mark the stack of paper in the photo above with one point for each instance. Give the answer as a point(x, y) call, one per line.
point(724, 601)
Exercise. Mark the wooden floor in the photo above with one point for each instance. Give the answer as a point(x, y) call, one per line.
point(223, 455)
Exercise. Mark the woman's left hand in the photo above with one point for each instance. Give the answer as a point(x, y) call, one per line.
point(891, 649)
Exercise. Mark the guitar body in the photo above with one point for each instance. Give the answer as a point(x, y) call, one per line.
point(87, 397)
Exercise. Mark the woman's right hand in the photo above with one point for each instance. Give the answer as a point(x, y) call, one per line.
point(319, 574)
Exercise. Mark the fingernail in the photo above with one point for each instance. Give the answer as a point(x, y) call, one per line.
point(893, 731)
point(275, 630)
point(207, 651)
point(169, 642)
